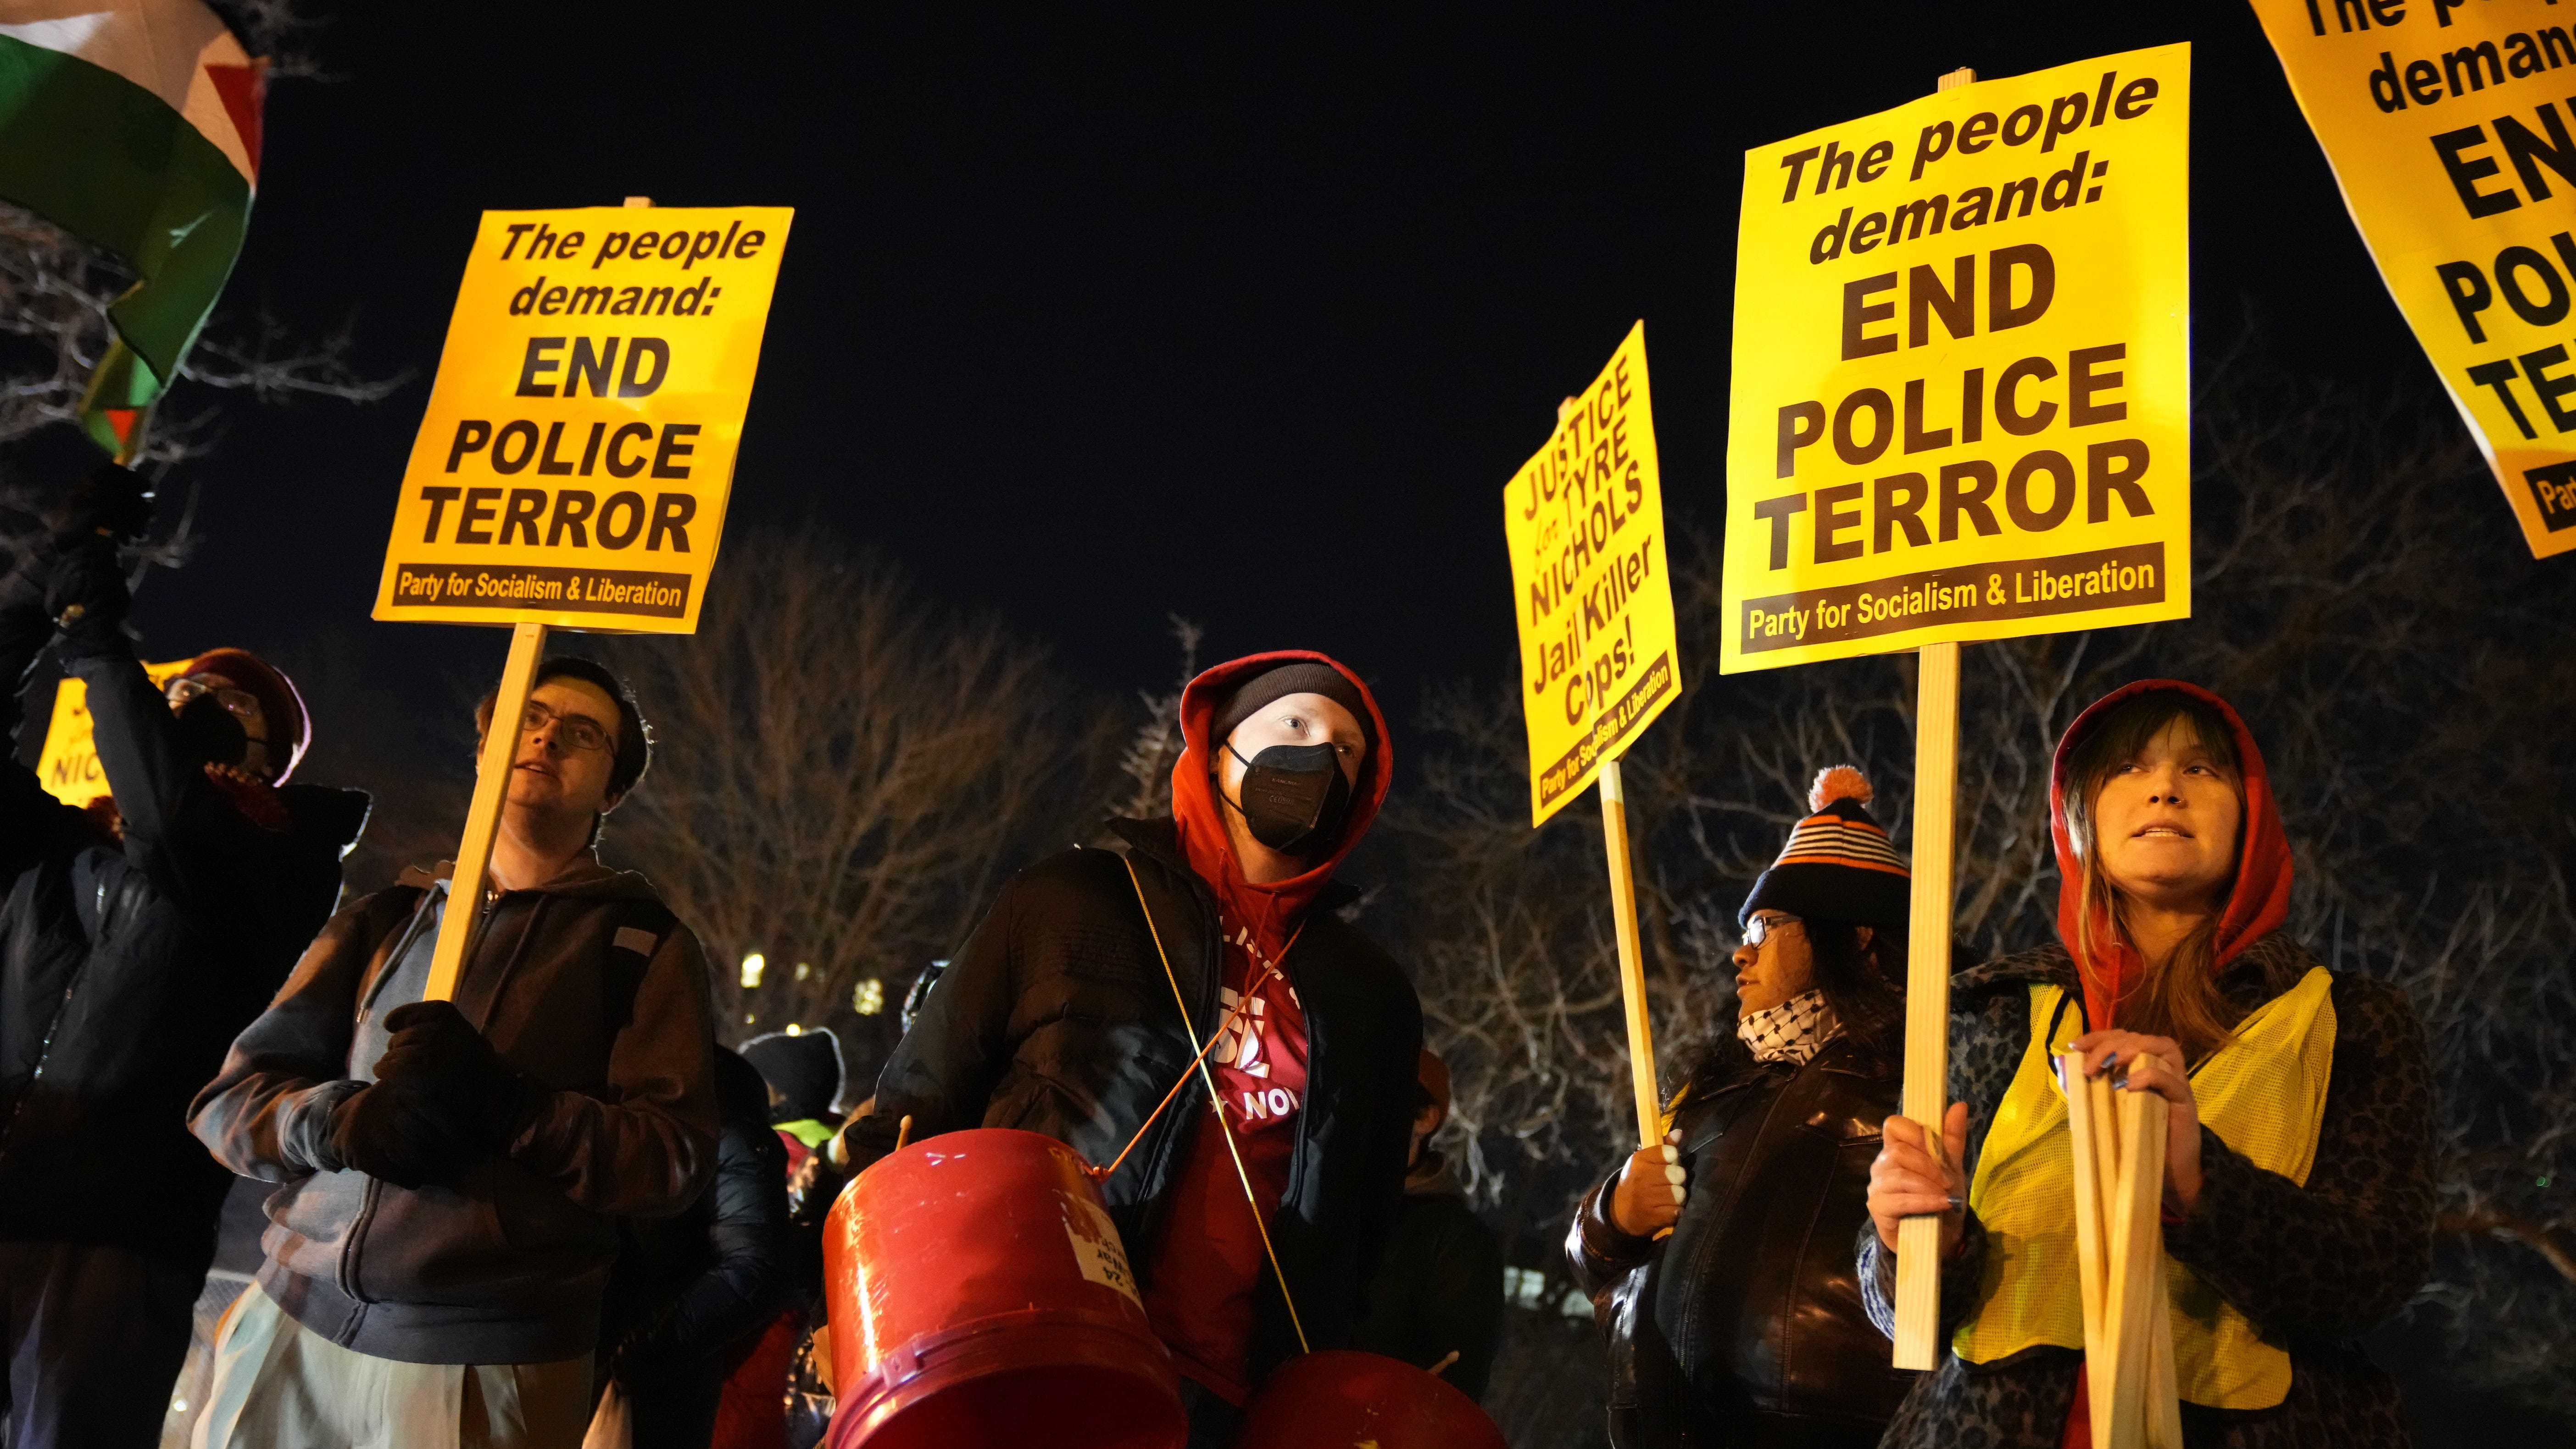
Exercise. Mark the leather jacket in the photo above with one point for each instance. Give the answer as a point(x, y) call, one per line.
point(1746, 1325)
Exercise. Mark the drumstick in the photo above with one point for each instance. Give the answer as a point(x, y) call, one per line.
point(903, 1132)
point(1435, 1369)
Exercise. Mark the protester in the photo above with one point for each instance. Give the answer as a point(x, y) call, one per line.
point(135, 939)
point(1062, 1015)
point(1437, 1299)
point(802, 1074)
point(1746, 1326)
point(452, 1172)
point(2174, 883)
point(691, 1338)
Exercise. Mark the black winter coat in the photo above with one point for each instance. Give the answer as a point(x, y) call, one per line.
point(1439, 1284)
point(127, 968)
point(689, 1289)
point(1057, 1018)
point(2314, 1267)
point(1746, 1326)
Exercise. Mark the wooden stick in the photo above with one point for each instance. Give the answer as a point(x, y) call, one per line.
point(2137, 1259)
point(464, 913)
point(2090, 1186)
point(2105, 1104)
point(1632, 961)
point(1927, 989)
point(2164, 1397)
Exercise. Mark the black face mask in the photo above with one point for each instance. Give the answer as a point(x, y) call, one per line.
point(209, 732)
point(1294, 796)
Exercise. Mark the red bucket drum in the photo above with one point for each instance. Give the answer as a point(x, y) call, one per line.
point(1341, 1398)
point(979, 1296)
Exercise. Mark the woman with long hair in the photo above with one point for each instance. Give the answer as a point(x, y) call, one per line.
point(1745, 1327)
point(2298, 1204)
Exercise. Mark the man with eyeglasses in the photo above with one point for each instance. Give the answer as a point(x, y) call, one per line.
point(137, 935)
point(451, 1172)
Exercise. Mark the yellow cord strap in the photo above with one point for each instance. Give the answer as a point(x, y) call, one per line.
point(1217, 1102)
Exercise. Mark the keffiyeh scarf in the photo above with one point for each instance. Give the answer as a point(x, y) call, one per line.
point(1791, 1032)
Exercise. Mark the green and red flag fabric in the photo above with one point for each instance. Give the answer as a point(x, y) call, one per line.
point(134, 125)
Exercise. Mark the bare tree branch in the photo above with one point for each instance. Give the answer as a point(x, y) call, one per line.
point(852, 774)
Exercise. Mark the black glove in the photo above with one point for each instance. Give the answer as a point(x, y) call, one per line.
point(387, 1131)
point(79, 536)
point(437, 1053)
point(647, 1355)
point(113, 503)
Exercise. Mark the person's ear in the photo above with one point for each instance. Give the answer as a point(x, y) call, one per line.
point(1865, 933)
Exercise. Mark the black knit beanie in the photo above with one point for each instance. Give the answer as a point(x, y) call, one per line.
point(1837, 865)
point(804, 1069)
point(1302, 676)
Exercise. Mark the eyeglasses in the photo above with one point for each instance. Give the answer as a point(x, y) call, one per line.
point(240, 702)
point(576, 732)
point(1760, 928)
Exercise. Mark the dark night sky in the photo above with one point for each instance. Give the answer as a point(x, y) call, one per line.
point(1248, 317)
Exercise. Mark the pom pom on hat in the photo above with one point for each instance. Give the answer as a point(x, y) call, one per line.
point(1839, 782)
point(1838, 864)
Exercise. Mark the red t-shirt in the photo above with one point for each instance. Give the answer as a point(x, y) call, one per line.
point(1210, 1260)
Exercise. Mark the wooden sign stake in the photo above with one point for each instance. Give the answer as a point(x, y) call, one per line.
point(1927, 991)
point(1927, 971)
point(1632, 962)
point(483, 820)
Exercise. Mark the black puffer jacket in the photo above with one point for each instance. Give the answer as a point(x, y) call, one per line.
point(1057, 1018)
point(688, 1290)
point(1438, 1294)
point(1746, 1326)
point(126, 968)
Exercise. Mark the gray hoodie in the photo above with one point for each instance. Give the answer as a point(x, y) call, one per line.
point(587, 984)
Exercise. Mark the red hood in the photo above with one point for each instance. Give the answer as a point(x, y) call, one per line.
point(2256, 907)
point(1271, 911)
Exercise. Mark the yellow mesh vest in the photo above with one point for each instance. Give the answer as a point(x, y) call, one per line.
point(2264, 1095)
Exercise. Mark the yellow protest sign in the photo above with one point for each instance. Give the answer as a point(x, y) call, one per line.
point(575, 461)
point(2448, 129)
point(1961, 395)
point(1585, 522)
point(69, 768)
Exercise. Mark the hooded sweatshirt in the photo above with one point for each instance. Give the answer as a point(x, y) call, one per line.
point(2256, 906)
point(1210, 1259)
point(585, 984)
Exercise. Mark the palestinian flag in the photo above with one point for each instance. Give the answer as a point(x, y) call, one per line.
point(133, 125)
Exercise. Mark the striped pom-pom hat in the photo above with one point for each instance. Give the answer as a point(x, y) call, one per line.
point(1838, 865)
